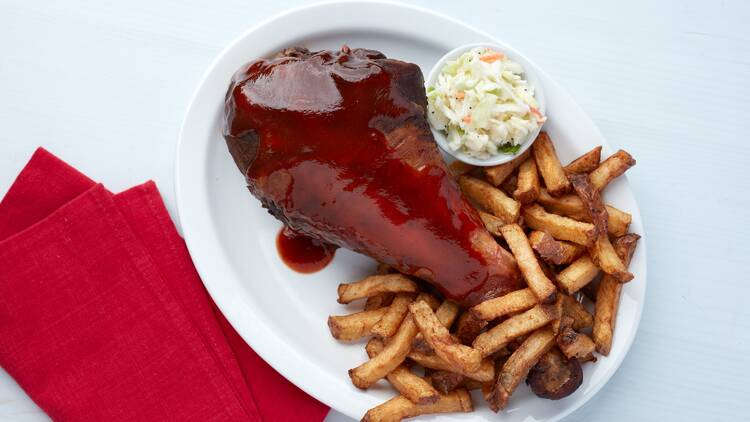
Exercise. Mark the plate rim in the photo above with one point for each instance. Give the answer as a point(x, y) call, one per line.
point(230, 309)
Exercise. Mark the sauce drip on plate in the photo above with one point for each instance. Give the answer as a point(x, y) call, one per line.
point(301, 253)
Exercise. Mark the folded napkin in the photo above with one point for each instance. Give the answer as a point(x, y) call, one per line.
point(104, 318)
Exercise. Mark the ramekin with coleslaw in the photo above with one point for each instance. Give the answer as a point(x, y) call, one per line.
point(483, 104)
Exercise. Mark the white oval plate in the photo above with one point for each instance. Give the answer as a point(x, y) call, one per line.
point(282, 314)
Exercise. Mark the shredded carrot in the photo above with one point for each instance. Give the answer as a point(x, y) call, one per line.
point(489, 58)
point(536, 111)
point(467, 118)
point(460, 95)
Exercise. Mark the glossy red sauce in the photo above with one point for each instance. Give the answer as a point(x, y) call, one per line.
point(302, 253)
point(331, 165)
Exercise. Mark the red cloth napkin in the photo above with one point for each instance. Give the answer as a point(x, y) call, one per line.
point(103, 316)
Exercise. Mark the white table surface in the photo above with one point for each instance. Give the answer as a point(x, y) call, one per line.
point(104, 84)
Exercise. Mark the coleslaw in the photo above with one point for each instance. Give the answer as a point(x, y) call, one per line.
point(483, 103)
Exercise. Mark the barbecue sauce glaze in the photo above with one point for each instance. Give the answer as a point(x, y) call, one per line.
point(327, 143)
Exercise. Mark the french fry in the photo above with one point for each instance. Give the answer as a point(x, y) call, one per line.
point(575, 345)
point(602, 252)
point(438, 337)
point(445, 382)
point(496, 338)
point(528, 187)
point(558, 252)
point(561, 228)
point(485, 373)
point(378, 301)
point(575, 310)
point(468, 327)
point(497, 174)
point(492, 223)
point(529, 266)
point(471, 384)
point(383, 299)
point(491, 198)
point(571, 206)
point(611, 168)
point(549, 165)
point(566, 205)
point(605, 257)
point(392, 318)
point(458, 168)
point(446, 313)
point(577, 274)
point(419, 344)
point(608, 297)
point(374, 346)
point(390, 357)
point(400, 407)
point(509, 185)
point(354, 326)
point(518, 365)
point(586, 162)
point(517, 301)
point(410, 385)
point(618, 222)
point(374, 285)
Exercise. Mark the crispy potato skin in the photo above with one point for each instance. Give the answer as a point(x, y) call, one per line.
point(611, 168)
point(445, 382)
point(586, 162)
point(555, 377)
point(592, 201)
point(557, 252)
point(468, 327)
point(602, 252)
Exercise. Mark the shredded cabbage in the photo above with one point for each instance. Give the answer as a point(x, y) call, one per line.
point(483, 104)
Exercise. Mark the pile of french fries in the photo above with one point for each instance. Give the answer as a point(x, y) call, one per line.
point(573, 252)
